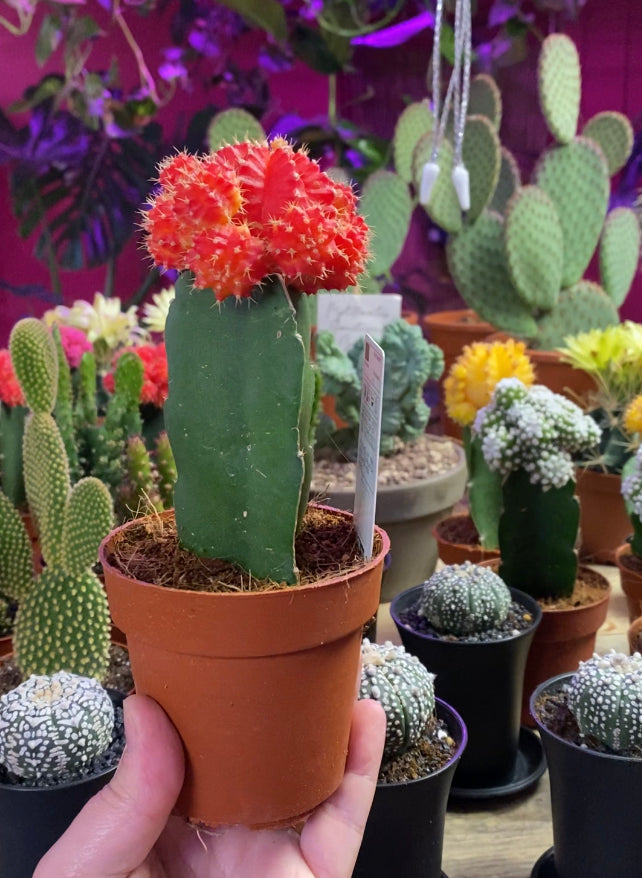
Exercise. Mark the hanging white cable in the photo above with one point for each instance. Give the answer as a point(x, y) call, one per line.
point(430, 170)
point(463, 52)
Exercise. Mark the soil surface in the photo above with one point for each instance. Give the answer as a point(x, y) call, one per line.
point(427, 456)
point(553, 712)
point(518, 619)
point(632, 562)
point(590, 587)
point(459, 529)
point(432, 752)
point(150, 552)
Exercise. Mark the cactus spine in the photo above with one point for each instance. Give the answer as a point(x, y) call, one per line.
point(464, 599)
point(405, 690)
point(605, 697)
point(63, 619)
point(50, 726)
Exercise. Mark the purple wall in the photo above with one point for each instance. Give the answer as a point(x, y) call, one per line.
point(608, 36)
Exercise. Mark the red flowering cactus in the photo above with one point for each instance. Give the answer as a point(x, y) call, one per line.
point(252, 210)
point(154, 390)
point(255, 226)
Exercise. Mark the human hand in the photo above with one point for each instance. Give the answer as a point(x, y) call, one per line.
point(125, 831)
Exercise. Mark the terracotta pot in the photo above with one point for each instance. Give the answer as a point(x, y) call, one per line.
point(451, 330)
point(562, 640)
point(408, 513)
point(630, 580)
point(260, 685)
point(561, 377)
point(604, 524)
point(458, 553)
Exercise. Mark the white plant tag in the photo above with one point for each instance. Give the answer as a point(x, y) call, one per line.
point(365, 498)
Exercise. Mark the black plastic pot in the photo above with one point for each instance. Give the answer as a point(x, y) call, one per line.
point(484, 682)
point(596, 803)
point(405, 829)
point(32, 819)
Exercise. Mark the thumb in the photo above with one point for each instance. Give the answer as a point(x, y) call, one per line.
point(116, 830)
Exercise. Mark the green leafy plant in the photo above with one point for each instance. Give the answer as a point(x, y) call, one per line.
point(529, 435)
point(62, 621)
point(410, 363)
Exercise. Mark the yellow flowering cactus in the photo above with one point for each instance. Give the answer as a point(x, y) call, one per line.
point(613, 356)
point(467, 389)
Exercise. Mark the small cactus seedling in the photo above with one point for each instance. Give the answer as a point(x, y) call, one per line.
point(63, 620)
point(52, 726)
point(605, 697)
point(403, 687)
point(464, 599)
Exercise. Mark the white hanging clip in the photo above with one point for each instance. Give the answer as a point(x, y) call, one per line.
point(461, 182)
point(428, 178)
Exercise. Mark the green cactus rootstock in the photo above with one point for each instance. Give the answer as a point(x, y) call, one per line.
point(537, 532)
point(605, 697)
point(245, 359)
point(559, 82)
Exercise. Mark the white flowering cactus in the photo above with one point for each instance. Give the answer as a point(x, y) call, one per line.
point(632, 493)
point(528, 435)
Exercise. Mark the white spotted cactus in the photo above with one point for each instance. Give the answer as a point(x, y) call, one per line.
point(62, 621)
point(403, 687)
point(52, 726)
point(605, 697)
point(464, 599)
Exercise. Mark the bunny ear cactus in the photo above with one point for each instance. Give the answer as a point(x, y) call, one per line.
point(605, 697)
point(528, 436)
point(405, 690)
point(63, 619)
point(519, 255)
point(272, 229)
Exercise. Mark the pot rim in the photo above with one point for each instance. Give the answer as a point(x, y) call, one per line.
point(448, 708)
point(519, 596)
point(555, 683)
point(364, 567)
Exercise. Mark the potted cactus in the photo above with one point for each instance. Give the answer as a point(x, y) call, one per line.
point(611, 357)
point(591, 727)
point(425, 739)
point(43, 787)
point(468, 388)
point(529, 435)
point(244, 602)
point(421, 476)
point(467, 626)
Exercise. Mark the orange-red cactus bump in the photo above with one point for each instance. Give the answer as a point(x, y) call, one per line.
point(251, 210)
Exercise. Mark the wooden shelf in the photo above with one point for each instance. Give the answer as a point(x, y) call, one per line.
point(504, 839)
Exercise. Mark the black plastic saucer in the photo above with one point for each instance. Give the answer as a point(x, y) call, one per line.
point(545, 866)
point(530, 765)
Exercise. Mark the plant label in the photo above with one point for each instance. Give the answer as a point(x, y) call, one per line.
point(365, 498)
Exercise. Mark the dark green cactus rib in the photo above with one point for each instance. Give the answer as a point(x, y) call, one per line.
point(244, 362)
point(540, 528)
point(16, 570)
point(12, 426)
